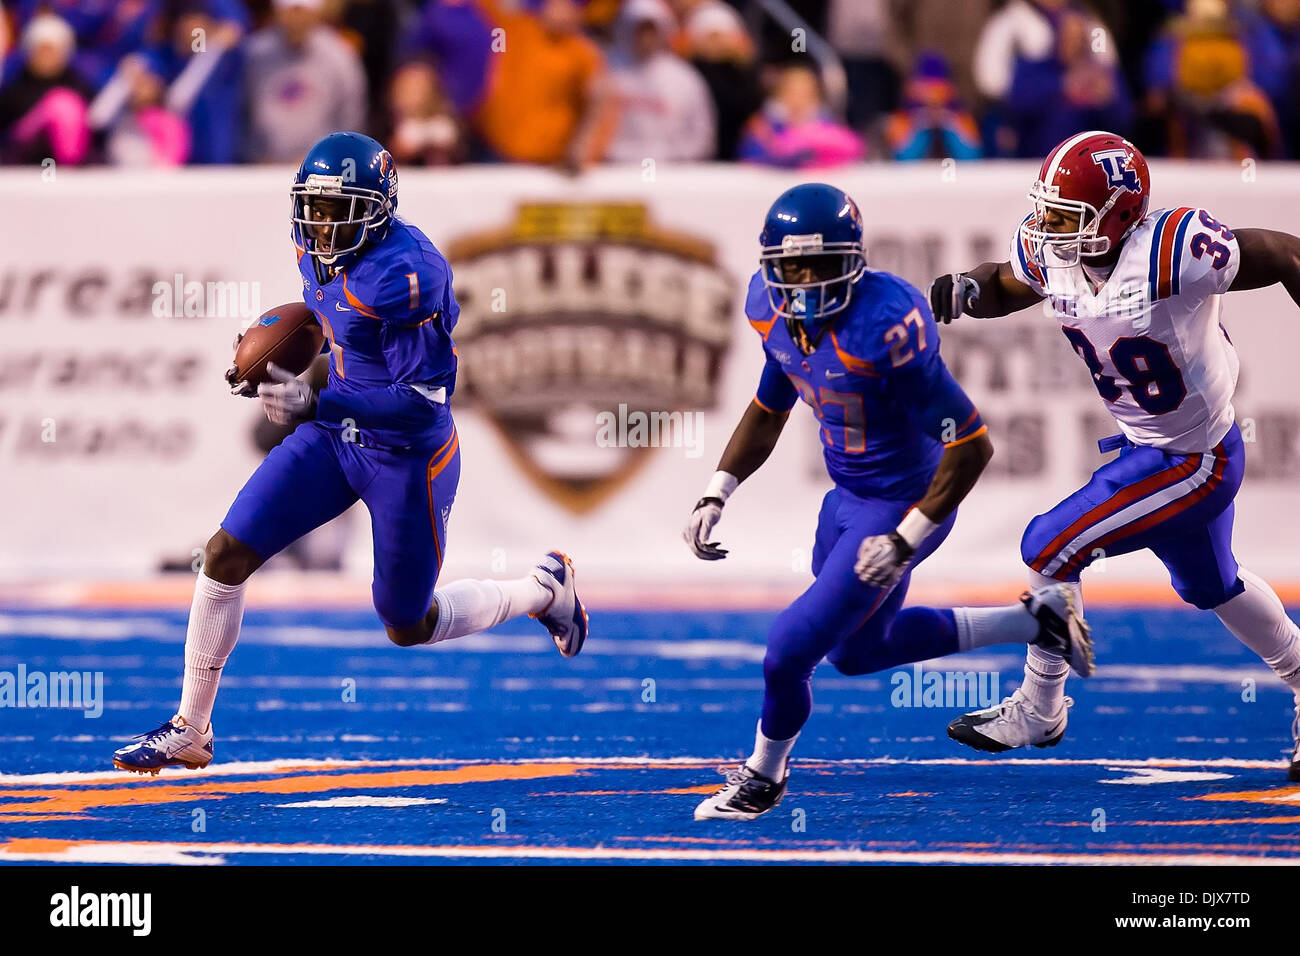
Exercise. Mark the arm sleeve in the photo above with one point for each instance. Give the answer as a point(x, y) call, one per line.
point(775, 392)
point(918, 381)
point(395, 406)
point(1206, 255)
point(416, 317)
point(936, 403)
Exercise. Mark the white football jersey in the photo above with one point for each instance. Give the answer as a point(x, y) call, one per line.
point(1151, 334)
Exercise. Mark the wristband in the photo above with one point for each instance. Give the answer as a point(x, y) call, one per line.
point(915, 528)
point(721, 485)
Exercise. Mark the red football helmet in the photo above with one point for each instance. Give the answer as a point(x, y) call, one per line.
point(1101, 177)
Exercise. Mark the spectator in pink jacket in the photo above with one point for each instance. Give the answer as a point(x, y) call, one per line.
point(43, 105)
point(139, 128)
point(794, 128)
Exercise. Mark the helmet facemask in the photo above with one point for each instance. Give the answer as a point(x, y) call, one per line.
point(810, 304)
point(354, 215)
point(1067, 248)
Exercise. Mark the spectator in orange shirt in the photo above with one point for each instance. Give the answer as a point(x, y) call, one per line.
point(546, 101)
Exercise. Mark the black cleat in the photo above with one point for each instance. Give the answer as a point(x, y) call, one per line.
point(1293, 772)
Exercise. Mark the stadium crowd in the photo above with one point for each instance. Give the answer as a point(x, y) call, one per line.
point(572, 83)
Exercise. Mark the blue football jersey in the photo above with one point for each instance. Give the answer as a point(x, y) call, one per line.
point(886, 403)
point(388, 318)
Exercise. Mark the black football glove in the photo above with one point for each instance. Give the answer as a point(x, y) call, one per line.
point(243, 389)
point(952, 296)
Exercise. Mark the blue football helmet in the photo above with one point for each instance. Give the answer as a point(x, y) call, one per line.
point(345, 195)
point(820, 226)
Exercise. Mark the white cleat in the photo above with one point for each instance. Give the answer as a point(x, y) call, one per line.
point(173, 743)
point(745, 796)
point(1011, 724)
point(1061, 628)
point(565, 617)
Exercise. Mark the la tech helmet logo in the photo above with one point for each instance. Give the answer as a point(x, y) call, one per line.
point(581, 308)
point(1118, 174)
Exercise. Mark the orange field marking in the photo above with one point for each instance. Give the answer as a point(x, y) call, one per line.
point(1280, 795)
point(1225, 821)
point(41, 803)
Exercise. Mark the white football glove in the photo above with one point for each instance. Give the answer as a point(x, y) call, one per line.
point(882, 559)
point(289, 399)
point(707, 513)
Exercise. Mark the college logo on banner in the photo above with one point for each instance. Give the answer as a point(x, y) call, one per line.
point(580, 310)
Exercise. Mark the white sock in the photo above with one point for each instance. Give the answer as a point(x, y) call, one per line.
point(1257, 618)
point(470, 606)
point(770, 756)
point(982, 626)
point(1044, 684)
point(213, 629)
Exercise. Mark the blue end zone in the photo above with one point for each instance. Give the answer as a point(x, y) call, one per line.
point(333, 746)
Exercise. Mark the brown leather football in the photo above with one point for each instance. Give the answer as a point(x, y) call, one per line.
point(288, 336)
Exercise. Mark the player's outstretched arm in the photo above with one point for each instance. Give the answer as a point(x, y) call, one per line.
point(987, 291)
point(750, 445)
point(1267, 257)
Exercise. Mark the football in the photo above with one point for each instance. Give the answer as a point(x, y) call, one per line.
point(288, 336)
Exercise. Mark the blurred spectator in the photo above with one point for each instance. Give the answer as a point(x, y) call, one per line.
point(302, 82)
point(140, 130)
point(372, 28)
point(455, 36)
point(43, 106)
point(718, 46)
point(794, 129)
point(932, 123)
point(665, 110)
point(106, 30)
point(1050, 70)
point(1283, 19)
point(684, 11)
point(198, 56)
point(4, 33)
point(425, 129)
point(1264, 50)
point(861, 32)
point(1199, 84)
point(546, 99)
point(942, 27)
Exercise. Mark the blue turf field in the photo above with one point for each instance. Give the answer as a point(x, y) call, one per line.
point(571, 763)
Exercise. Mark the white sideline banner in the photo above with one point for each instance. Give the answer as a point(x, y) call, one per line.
point(598, 313)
